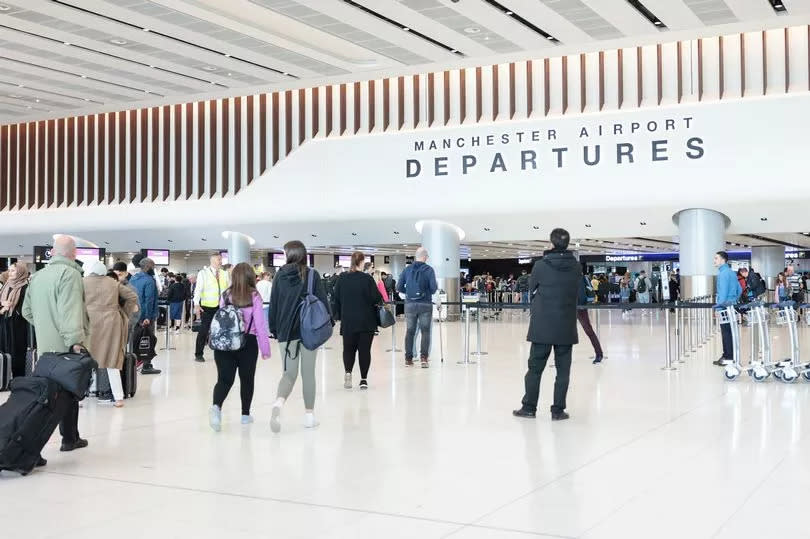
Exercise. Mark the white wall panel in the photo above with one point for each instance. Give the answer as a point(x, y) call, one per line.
point(630, 76)
point(592, 93)
point(409, 104)
point(799, 58)
point(669, 73)
point(649, 59)
point(504, 88)
point(556, 86)
point(775, 44)
point(520, 91)
point(754, 76)
point(732, 58)
point(612, 81)
point(470, 97)
point(711, 68)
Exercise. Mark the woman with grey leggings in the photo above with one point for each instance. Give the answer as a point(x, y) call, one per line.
point(287, 292)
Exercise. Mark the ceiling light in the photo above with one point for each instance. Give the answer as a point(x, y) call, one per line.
point(472, 30)
point(536, 227)
point(150, 65)
point(509, 13)
point(210, 68)
point(213, 82)
point(551, 38)
point(146, 29)
point(453, 51)
point(354, 233)
point(587, 226)
point(66, 43)
point(642, 223)
point(4, 7)
point(87, 99)
point(229, 74)
point(36, 100)
point(763, 218)
point(118, 41)
point(20, 86)
point(406, 29)
point(227, 55)
point(396, 233)
point(84, 76)
point(146, 91)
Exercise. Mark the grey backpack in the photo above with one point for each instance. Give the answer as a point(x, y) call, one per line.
point(315, 320)
point(228, 332)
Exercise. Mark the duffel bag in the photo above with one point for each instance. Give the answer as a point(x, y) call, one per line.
point(69, 370)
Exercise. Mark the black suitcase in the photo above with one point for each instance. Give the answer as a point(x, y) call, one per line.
point(71, 371)
point(129, 375)
point(28, 419)
point(31, 355)
point(5, 371)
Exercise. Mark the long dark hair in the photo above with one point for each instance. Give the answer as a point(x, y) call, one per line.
point(243, 285)
point(296, 253)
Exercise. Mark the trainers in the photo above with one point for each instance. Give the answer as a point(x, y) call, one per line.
point(275, 419)
point(78, 444)
point(247, 419)
point(215, 418)
point(309, 421)
point(149, 369)
point(347, 380)
point(722, 362)
point(363, 384)
point(199, 359)
point(522, 412)
point(409, 362)
point(425, 363)
point(559, 416)
point(597, 359)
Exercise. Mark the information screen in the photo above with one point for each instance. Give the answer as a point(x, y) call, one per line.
point(345, 261)
point(88, 255)
point(279, 259)
point(224, 255)
point(160, 256)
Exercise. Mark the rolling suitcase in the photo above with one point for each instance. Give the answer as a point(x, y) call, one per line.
point(28, 419)
point(5, 371)
point(129, 373)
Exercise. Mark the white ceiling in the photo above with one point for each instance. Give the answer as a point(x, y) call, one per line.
point(69, 57)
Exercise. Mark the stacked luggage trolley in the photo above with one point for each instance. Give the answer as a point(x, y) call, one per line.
point(761, 366)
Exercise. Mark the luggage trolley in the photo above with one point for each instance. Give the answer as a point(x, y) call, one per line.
point(789, 369)
point(729, 315)
point(760, 366)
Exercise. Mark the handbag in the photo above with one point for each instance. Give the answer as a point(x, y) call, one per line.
point(71, 371)
point(385, 318)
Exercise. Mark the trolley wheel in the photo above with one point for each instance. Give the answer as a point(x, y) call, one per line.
point(731, 373)
point(789, 378)
point(759, 376)
point(806, 375)
point(777, 374)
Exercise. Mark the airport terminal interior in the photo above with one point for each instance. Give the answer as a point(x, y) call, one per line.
point(656, 147)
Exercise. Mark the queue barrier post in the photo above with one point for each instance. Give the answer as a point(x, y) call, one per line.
point(478, 353)
point(465, 360)
point(394, 348)
point(168, 345)
point(668, 366)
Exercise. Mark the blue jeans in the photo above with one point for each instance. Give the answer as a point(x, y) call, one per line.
point(421, 314)
point(524, 297)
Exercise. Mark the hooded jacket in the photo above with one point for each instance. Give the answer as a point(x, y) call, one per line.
point(288, 290)
point(555, 284)
point(146, 288)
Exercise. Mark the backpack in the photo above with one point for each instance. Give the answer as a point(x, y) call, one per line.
point(228, 332)
point(315, 320)
point(590, 295)
point(413, 290)
point(756, 285)
point(642, 285)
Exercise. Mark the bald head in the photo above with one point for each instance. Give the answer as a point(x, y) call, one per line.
point(64, 246)
point(421, 255)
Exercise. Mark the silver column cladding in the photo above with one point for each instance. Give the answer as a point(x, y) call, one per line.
point(702, 233)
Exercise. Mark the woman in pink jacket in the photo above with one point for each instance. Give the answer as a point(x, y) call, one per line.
point(380, 285)
point(243, 294)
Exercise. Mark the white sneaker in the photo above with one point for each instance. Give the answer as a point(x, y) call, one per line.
point(247, 419)
point(275, 419)
point(215, 418)
point(347, 380)
point(309, 421)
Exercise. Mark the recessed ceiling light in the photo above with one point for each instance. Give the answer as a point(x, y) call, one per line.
point(406, 29)
point(4, 7)
point(536, 227)
point(213, 82)
point(229, 74)
point(396, 233)
point(551, 38)
point(509, 13)
point(472, 30)
point(486, 229)
point(118, 41)
point(587, 226)
point(642, 223)
point(763, 218)
point(227, 55)
point(87, 99)
point(36, 100)
point(66, 43)
point(146, 30)
point(146, 91)
point(84, 76)
point(210, 68)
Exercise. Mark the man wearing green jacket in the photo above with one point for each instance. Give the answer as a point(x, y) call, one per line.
point(55, 306)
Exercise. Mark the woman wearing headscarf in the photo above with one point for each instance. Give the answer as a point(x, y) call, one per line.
point(13, 327)
point(109, 306)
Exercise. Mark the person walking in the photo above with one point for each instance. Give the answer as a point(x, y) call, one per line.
point(796, 285)
point(555, 282)
point(146, 289)
point(211, 282)
point(54, 305)
point(728, 291)
point(523, 288)
point(265, 287)
point(418, 283)
point(243, 295)
point(176, 297)
point(585, 322)
point(110, 303)
point(289, 288)
point(356, 300)
point(14, 329)
point(643, 287)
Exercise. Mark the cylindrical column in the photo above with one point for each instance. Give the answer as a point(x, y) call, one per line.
point(702, 233)
point(768, 261)
point(442, 240)
point(397, 265)
point(239, 249)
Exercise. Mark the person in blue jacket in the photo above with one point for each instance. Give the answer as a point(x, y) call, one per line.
point(146, 287)
point(728, 291)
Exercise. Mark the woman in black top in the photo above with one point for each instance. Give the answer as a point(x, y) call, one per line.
point(176, 297)
point(356, 300)
point(13, 327)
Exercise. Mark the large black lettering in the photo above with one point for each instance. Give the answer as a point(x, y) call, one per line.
point(659, 150)
point(559, 152)
point(526, 157)
point(597, 150)
point(467, 162)
point(695, 145)
point(624, 149)
point(413, 168)
point(440, 166)
point(419, 145)
point(497, 162)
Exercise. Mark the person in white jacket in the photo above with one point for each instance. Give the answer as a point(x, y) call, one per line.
point(264, 287)
point(212, 281)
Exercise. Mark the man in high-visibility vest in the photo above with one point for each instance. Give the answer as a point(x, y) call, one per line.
point(212, 281)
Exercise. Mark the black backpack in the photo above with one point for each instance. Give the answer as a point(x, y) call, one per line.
point(642, 285)
point(756, 284)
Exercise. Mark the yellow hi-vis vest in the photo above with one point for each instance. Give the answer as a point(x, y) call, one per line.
point(212, 290)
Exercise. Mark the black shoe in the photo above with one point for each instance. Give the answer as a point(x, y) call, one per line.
point(559, 416)
point(409, 363)
point(524, 413)
point(78, 444)
point(149, 369)
point(597, 359)
point(41, 462)
point(722, 362)
point(363, 384)
point(199, 359)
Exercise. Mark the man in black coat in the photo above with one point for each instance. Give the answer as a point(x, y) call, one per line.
point(554, 285)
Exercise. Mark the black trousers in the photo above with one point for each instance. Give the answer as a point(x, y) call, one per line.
point(728, 344)
point(69, 426)
point(357, 344)
point(205, 327)
point(228, 363)
point(538, 357)
point(585, 322)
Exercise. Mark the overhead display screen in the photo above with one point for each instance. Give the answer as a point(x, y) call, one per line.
point(159, 256)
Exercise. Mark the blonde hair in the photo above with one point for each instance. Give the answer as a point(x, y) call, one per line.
point(377, 276)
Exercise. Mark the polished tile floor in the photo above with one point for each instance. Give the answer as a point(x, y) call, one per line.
point(436, 453)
